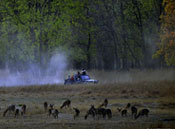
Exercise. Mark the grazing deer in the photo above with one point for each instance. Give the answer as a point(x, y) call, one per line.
point(77, 112)
point(20, 109)
point(45, 106)
point(10, 108)
point(17, 109)
point(66, 103)
point(109, 113)
point(55, 113)
point(105, 103)
point(91, 111)
point(123, 111)
point(134, 111)
point(104, 112)
point(101, 112)
point(50, 109)
point(143, 112)
point(23, 108)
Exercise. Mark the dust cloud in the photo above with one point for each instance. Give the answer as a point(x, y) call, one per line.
point(35, 75)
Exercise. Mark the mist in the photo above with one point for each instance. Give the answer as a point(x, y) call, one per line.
point(35, 75)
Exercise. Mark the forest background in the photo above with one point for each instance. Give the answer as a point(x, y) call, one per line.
point(93, 34)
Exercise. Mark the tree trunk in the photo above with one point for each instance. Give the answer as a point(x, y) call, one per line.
point(125, 51)
point(88, 52)
point(140, 25)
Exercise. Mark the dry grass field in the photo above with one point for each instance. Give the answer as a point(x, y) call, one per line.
point(155, 95)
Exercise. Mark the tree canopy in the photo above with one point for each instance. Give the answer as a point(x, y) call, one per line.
point(98, 34)
point(167, 36)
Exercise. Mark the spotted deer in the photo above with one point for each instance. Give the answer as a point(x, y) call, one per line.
point(55, 113)
point(97, 112)
point(21, 108)
point(52, 111)
point(105, 103)
point(109, 113)
point(66, 103)
point(143, 112)
point(103, 112)
point(133, 111)
point(123, 111)
point(10, 108)
point(91, 111)
point(77, 112)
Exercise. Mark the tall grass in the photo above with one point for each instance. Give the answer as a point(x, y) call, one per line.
point(154, 90)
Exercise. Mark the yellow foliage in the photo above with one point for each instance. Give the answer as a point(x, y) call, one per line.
point(167, 45)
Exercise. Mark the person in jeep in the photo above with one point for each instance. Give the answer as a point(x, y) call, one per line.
point(83, 72)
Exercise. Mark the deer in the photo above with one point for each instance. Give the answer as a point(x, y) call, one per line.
point(99, 112)
point(128, 105)
point(105, 103)
point(10, 108)
point(18, 109)
point(143, 112)
point(22, 108)
point(109, 113)
point(52, 111)
point(123, 111)
point(77, 112)
point(91, 111)
point(55, 113)
point(66, 103)
point(134, 111)
point(104, 112)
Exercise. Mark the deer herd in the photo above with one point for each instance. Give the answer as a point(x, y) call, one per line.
point(101, 111)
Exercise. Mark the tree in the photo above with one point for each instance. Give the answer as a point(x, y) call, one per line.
point(30, 31)
point(167, 45)
point(98, 34)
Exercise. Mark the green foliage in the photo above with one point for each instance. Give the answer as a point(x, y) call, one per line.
point(104, 34)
